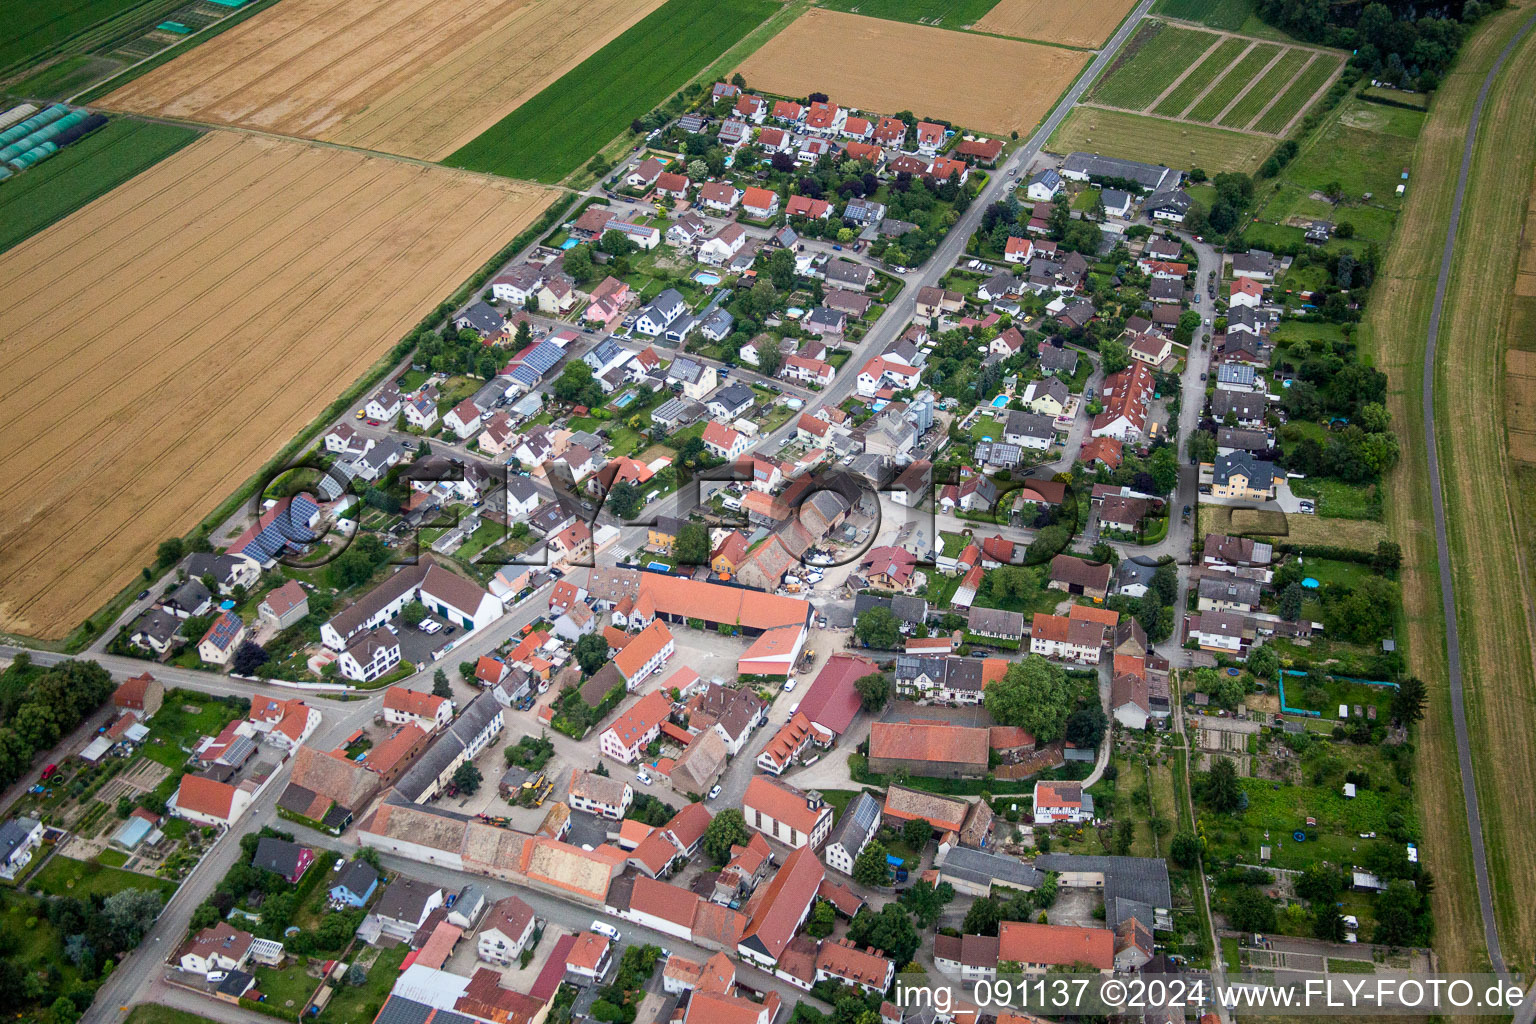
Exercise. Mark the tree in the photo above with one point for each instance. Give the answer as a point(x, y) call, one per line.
point(927, 902)
point(1319, 884)
point(1388, 558)
point(692, 544)
point(467, 777)
point(624, 500)
point(357, 976)
point(1035, 696)
point(248, 657)
point(1165, 583)
point(591, 652)
point(1408, 701)
point(1185, 849)
point(1328, 924)
point(822, 920)
point(1114, 355)
point(878, 628)
point(1264, 662)
point(1251, 911)
point(578, 262)
point(769, 358)
point(1401, 915)
point(413, 613)
point(698, 170)
point(1164, 468)
point(1202, 446)
point(983, 917)
point(890, 929)
point(575, 385)
point(728, 829)
point(1229, 690)
point(169, 552)
point(1290, 602)
point(870, 867)
point(916, 832)
point(1222, 790)
point(874, 690)
point(440, 687)
point(128, 915)
point(1085, 726)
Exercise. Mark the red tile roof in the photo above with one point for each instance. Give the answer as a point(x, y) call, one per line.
point(645, 646)
point(783, 802)
point(832, 702)
point(912, 741)
point(416, 702)
point(776, 909)
point(1026, 943)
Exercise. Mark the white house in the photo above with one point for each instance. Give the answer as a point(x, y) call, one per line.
point(882, 371)
point(385, 404)
point(421, 412)
point(370, 656)
point(18, 838)
point(1062, 801)
point(343, 440)
point(725, 443)
point(402, 705)
point(634, 729)
point(859, 823)
point(724, 245)
point(506, 931)
point(601, 795)
point(1044, 186)
point(789, 815)
point(663, 310)
point(222, 947)
point(463, 419)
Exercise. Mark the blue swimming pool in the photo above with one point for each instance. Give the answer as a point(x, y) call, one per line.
point(1000, 402)
point(1310, 583)
point(705, 277)
point(569, 243)
point(661, 566)
point(624, 399)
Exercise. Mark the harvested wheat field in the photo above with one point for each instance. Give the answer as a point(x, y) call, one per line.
point(1088, 23)
point(415, 77)
point(164, 341)
point(980, 82)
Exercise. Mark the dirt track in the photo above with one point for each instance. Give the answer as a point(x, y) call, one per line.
point(1086, 23)
point(415, 77)
point(164, 341)
point(976, 81)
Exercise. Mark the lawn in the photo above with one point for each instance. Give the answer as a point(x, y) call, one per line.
point(1154, 58)
point(1178, 145)
point(82, 172)
point(597, 99)
point(177, 728)
point(1230, 84)
point(942, 13)
point(1295, 98)
point(1326, 699)
point(1340, 500)
point(288, 988)
point(1177, 101)
point(64, 876)
point(1265, 89)
point(360, 1005)
point(154, 1013)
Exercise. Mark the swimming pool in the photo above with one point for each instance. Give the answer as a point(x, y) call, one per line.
point(569, 243)
point(1001, 401)
point(624, 399)
point(661, 566)
point(705, 277)
point(1310, 583)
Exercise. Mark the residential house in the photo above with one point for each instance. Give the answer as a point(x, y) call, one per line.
point(1044, 186)
point(1062, 801)
point(218, 645)
point(857, 826)
point(761, 203)
point(506, 931)
point(1239, 475)
point(599, 794)
point(786, 814)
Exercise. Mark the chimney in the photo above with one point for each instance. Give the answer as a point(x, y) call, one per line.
point(813, 799)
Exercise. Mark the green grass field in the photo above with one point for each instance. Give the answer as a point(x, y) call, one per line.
point(154, 1013)
point(1157, 55)
point(942, 13)
point(63, 876)
point(1294, 98)
point(1134, 137)
point(1230, 84)
point(597, 99)
point(1224, 14)
point(1220, 59)
point(82, 172)
point(1265, 89)
point(33, 29)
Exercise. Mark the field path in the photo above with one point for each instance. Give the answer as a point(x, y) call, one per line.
point(1251, 83)
point(1311, 59)
point(1188, 71)
point(1236, 60)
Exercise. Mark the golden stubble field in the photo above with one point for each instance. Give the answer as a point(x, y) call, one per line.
point(160, 344)
point(1087, 23)
point(976, 81)
point(416, 77)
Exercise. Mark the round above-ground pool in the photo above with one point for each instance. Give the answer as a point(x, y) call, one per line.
point(1310, 583)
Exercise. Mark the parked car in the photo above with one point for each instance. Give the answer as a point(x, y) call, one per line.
point(643, 777)
point(714, 792)
point(789, 684)
point(605, 929)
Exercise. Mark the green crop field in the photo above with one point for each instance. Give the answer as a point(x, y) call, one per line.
point(943, 13)
point(558, 130)
point(1230, 84)
point(82, 172)
point(1179, 145)
point(1223, 14)
point(34, 28)
point(1265, 89)
point(1154, 59)
point(1220, 59)
point(1295, 98)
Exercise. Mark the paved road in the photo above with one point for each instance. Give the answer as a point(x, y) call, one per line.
point(1443, 550)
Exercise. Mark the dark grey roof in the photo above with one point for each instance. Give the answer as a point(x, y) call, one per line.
point(481, 317)
point(983, 868)
point(1114, 197)
point(157, 624)
point(825, 317)
point(1029, 424)
point(1148, 176)
point(1163, 288)
point(357, 876)
point(1227, 587)
point(843, 272)
point(1261, 475)
point(864, 602)
point(405, 899)
point(1174, 200)
point(734, 395)
point(1237, 437)
point(12, 834)
point(996, 622)
point(1053, 358)
point(191, 594)
point(1246, 404)
point(1144, 879)
point(400, 1010)
point(913, 610)
point(222, 567)
point(857, 823)
point(686, 369)
point(277, 855)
